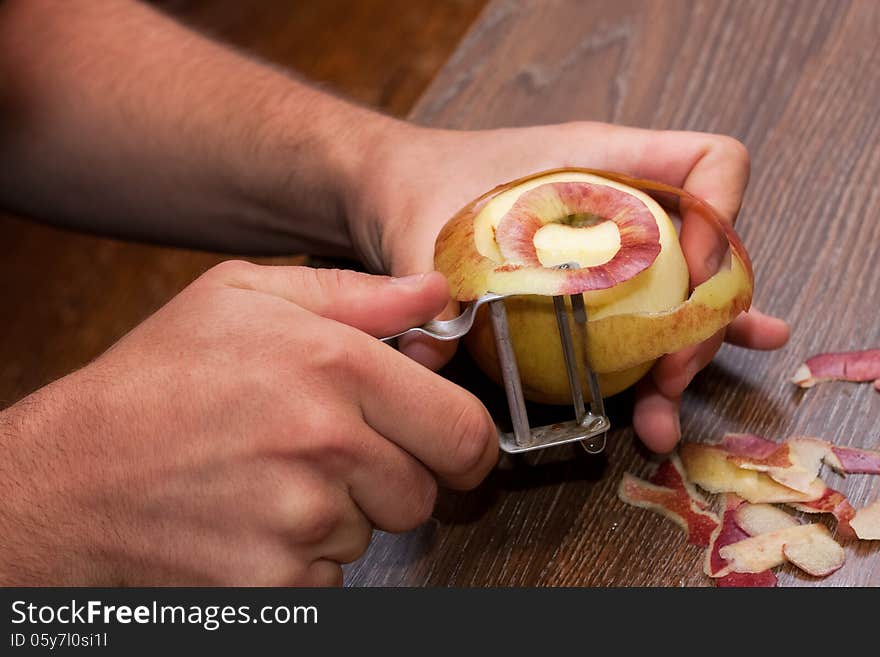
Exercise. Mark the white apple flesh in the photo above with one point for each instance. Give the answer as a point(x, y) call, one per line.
point(709, 467)
point(866, 522)
point(632, 274)
point(809, 547)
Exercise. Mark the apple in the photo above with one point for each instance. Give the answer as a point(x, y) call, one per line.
point(632, 274)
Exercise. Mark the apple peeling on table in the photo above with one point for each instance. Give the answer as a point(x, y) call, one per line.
point(709, 467)
point(866, 522)
point(727, 533)
point(855, 366)
point(809, 547)
point(630, 269)
point(836, 504)
point(673, 504)
point(752, 535)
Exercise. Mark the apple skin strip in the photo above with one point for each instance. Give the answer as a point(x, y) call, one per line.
point(795, 463)
point(676, 505)
point(836, 504)
point(670, 474)
point(851, 460)
point(617, 342)
point(855, 366)
point(866, 522)
point(809, 547)
point(801, 453)
point(709, 468)
point(727, 533)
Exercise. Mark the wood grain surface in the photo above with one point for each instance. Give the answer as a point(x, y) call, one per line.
point(798, 83)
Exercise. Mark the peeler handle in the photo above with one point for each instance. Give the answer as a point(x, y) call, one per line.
point(449, 329)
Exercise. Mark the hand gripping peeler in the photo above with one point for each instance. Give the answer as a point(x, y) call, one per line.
point(588, 427)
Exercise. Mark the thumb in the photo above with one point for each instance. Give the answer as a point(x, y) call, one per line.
point(431, 353)
point(378, 305)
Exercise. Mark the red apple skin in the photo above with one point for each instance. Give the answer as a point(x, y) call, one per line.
point(708, 466)
point(851, 460)
point(835, 503)
point(856, 366)
point(729, 532)
point(670, 474)
point(622, 347)
point(456, 255)
point(676, 505)
point(749, 448)
point(639, 234)
point(467, 270)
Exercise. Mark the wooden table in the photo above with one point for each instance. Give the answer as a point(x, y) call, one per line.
point(798, 83)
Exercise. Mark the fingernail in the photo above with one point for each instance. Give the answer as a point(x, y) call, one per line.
point(413, 280)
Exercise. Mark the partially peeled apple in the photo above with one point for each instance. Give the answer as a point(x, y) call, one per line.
point(632, 273)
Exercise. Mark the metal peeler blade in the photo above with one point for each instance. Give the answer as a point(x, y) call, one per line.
point(589, 426)
point(449, 329)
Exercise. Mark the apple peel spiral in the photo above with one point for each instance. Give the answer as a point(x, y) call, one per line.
point(632, 274)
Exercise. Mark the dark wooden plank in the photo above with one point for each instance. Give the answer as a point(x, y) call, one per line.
point(797, 83)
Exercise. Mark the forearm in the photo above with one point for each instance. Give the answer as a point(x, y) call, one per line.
point(117, 120)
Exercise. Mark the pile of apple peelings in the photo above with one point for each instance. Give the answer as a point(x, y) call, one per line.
point(752, 536)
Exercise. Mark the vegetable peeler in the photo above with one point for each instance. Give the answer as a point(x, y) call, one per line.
point(589, 426)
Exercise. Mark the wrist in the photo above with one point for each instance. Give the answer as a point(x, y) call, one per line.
point(44, 537)
point(380, 201)
point(309, 157)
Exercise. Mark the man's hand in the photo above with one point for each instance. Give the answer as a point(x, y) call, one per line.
point(421, 177)
point(203, 147)
point(251, 432)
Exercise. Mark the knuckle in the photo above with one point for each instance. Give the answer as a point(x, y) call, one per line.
point(341, 357)
point(316, 520)
point(325, 573)
point(736, 150)
point(359, 542)
point(315, 424)
point(424, 499)
point(337, 448)
point(472, 432)
point(229, 270)
point(330, 282)
point(322, 438)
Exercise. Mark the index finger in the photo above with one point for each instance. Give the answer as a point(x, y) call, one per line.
point(439, 423)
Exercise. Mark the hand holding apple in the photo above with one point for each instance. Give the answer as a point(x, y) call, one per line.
point(396, 224)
